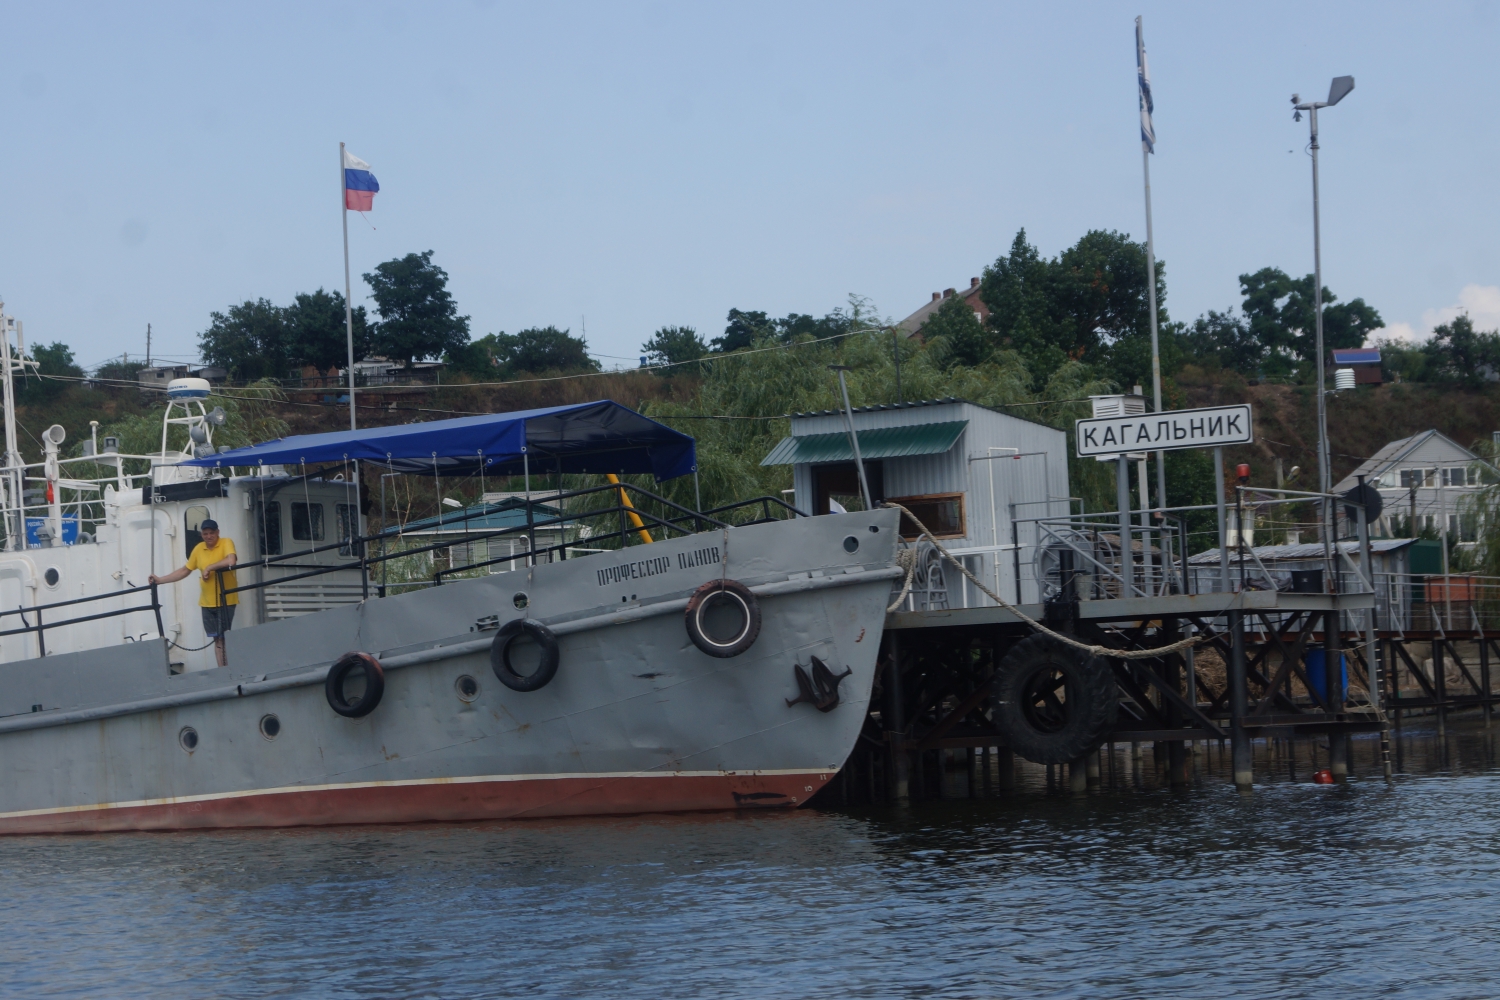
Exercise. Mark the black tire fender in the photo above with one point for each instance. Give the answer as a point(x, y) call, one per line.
point(333, 685)
point(706, 597)
point(1037, 724)
point(500, 655)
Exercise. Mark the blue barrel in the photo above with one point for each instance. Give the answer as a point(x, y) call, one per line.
point(1313, 659)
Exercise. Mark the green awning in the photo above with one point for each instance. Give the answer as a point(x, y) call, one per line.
point(881, 442)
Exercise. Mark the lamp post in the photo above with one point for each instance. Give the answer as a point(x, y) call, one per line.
point(1339, 89)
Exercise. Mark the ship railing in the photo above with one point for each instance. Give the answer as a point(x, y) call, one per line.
point(627, 521)
point(79, 497)
point(41, 625)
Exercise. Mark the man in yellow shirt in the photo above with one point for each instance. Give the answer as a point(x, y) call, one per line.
point(212, 557)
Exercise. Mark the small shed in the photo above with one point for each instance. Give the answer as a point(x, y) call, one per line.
point(1270, 567)
point(966, 471)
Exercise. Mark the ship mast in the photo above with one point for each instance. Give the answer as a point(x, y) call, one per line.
point(12, 483)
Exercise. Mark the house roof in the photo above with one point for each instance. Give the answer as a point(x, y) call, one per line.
point(911, 324)
point(921, 402)
point(1403, 450)
point(878, 442)
point(1306, 550)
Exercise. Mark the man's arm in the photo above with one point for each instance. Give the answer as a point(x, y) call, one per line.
point(228, 562)
point(172, 577)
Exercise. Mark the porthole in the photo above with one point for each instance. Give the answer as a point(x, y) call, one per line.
point(188, 739)
point(851, 544)
point(467, 688)
point(520, 601)
point(874, 529)
point(270, 726)
point(52, 576)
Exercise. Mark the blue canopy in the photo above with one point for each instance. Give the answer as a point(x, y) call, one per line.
point(597, 437)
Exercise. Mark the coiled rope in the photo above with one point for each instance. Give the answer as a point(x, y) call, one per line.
point(907, 560)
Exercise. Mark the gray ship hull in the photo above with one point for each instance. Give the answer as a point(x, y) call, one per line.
point(637, 719)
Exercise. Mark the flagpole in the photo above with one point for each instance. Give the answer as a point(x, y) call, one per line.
point(348, 302)
point(1146, 149)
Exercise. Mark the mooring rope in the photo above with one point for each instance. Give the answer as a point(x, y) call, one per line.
point(907, 559)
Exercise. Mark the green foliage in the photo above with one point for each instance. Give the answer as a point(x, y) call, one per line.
point(540, 349)
point(1455, 354)
point(55, 367)
point(1088, 304)
point(673, 345)
point(955, 333)
point(418, 317)
point(745, 329)
point(1280, 313)
point(260, 340)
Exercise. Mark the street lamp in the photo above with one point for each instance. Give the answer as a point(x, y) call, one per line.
point(1336, 92)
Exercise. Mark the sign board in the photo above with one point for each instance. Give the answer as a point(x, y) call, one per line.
point(1205, 428)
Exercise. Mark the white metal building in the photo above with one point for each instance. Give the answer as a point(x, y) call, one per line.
point(965, 470)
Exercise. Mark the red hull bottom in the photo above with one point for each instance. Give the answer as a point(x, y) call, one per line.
point(434, 801)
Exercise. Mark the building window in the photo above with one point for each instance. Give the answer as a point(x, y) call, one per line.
point(942, 513)
point(1456, 475)
point(307, 521)
point(1463, 527)
point(270, 528)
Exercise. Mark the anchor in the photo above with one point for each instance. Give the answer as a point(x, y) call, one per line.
point(821, 690)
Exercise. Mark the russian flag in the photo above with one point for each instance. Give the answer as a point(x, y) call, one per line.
point(359, 184)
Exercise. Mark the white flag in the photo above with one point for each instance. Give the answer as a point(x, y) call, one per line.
point(1143, 77)
point(834, 507)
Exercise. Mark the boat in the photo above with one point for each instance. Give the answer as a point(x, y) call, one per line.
point(640, 656)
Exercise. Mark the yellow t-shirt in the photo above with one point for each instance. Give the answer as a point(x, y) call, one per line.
point(204, 556)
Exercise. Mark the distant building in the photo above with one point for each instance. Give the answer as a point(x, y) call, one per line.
point(913, 323)
point(1428, 474)
point(157, 377)
point(383, 371)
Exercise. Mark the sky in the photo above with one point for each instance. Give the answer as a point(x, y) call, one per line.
point(611, 168)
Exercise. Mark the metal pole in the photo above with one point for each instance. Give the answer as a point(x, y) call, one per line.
point(1243, 762)
point(1223, 532)
point(348, 302)
point(1161, 456)
point(896, 344)
point(1122, 495)
point(853, 438)
point(895, 725)
point(1323, 483)
point(1367, 557)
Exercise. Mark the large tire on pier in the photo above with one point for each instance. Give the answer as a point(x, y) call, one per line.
point(723, 618)
point(500, 655)
point(1054, 703)
point(362, 705)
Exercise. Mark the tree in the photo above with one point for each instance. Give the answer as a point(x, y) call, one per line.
point(544, 349)
point(673, 345)
point(1281, 313)
point(418, 318)
point(744, 329)
point(1459, 353)
point(248, 340)
point(954, 332)
point(316, 334)
point(1223, 340)
point(55, 366)
point(1088, 304)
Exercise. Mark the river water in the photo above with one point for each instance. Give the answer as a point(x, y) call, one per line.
point(1297, 890)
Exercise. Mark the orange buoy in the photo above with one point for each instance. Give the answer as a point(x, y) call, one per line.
point(1323, 777)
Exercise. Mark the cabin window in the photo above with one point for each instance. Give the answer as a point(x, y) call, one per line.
point(270, 528)
point(191, 519)
point(307, 522)
point(348, 516)
point(942, 513)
